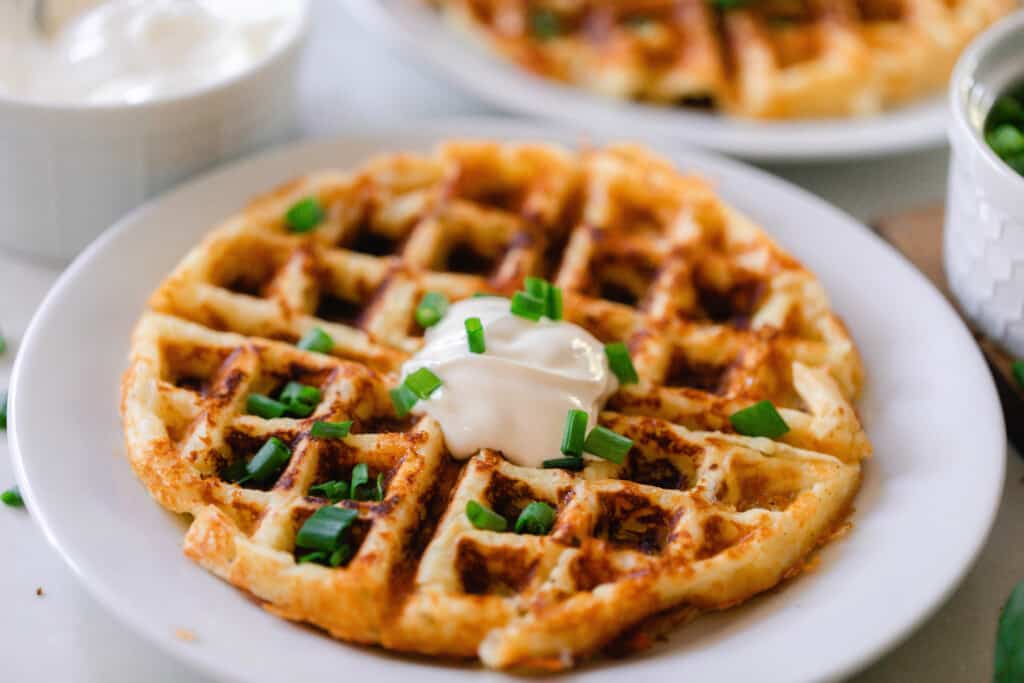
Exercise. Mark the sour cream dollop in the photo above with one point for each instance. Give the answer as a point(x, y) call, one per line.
point(514, 397)
point(130, 51)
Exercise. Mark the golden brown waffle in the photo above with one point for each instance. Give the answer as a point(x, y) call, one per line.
point(696, 518)
point(763, 59)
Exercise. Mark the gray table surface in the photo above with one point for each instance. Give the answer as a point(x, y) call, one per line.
point(351, 79)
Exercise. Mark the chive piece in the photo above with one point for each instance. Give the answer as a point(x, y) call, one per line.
point(423, 382)
point(1018, 372)
point(574, 433)
point(323, 529)
point(620, 363)
point(527, 306)
point(537, 287)
point(475, 334)
point(12, 498)
point(3, 410)
point(330, 430)
point(316, 340)
point(544, 23)
point(380, 487)
point(318, 556)
point(264, 406)
point(759, 419)
point(554, 303)
point(304, 215)
point(537, 518)
point(483, 518)
point(331, 490)
point(235, 472)
point(403, 398)
point(360, 475)
point(568, 463)
point(300, 409)
point(296, 391)
point(340, 556)
point(604, 443)
point(267, 462)
point(431, 309)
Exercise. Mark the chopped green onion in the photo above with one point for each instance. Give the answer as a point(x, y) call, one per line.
point(574, 433)
point(234, 472)
point(554, 303)
point(568, 463)
point(475, 334)
point(604, 443)
point(3, 410)
point(300, 409)
point(267, 462)
point(12, 498)
point(323, 529)
point(330, 430)
point(331, 490)
point(431, 309)
point(483, 295)
point(296, 391)
point(544, 23)
point(1018, 372)
point(304, 215)
point(318, 556)
point(527, 306)
point(380, 487)
point(760, 419)
point(537, 287)
point(423, 382)
point(360, 475)
point(620, 363)
point(340, 556)
point(403, 398)
point(316, 340)
point(537, 518)
point(264, 406)
point(483, 518)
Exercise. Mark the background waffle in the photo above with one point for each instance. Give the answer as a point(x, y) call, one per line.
point(763, 59)
point(696, 518)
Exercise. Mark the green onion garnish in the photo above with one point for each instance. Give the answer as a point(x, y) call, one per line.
point(264, 406)
point(380, 487)
point(318, 556)
point(554, 303)
point(403, 398)
point(760, 419)
point(340, 556)
point(12, 498)
point(323, 529)
point(3, 410)
point(1018, 372)
point(235, 472)
point(568, 463)
point(475, 334)
point(360, 475)
point(267, 462)
point(574, 433)
point(423, 382)
point(331, 490)
point(304, 215)
point(330, 430)
point(620, 363)
point(604, 443)
point(431, 309)
point(537, 287)
point(316, 340)
point(537, 518)
point(483, 518)
point(303, 393)
point(528, 306)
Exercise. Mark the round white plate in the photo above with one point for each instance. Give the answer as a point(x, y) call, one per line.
point(927, 502)
point(413, 25)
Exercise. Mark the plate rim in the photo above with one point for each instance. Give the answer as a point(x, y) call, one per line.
point(795, 141)
point(105, 592)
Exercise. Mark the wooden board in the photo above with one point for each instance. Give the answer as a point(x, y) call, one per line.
point(918, 235)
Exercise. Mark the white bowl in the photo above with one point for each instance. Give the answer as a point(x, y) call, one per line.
point(67, 171)
point(984, 237)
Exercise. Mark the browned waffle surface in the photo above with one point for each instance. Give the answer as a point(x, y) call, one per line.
point(716, 317)
point(762, 58)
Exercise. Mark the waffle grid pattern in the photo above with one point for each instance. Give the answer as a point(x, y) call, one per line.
point(716, 317)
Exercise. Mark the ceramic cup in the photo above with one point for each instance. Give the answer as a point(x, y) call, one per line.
point(68, 172)
point(984, 236)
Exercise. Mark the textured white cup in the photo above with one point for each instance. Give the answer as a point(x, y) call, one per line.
point(68, 172)
point(984, 236)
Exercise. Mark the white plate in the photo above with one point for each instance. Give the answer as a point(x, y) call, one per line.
point(928, 499)
point(414, 26)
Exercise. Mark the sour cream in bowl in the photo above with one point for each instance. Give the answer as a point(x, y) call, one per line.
point(116, 100)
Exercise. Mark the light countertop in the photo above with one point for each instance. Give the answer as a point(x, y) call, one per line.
point(350, 79)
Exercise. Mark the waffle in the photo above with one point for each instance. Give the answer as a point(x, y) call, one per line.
point(696, 518)
point(771, 59)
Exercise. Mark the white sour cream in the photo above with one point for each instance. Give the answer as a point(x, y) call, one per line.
point(131, 51)
point(514, 397)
